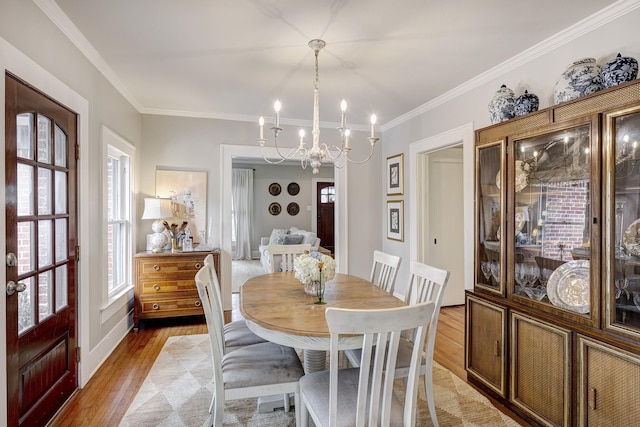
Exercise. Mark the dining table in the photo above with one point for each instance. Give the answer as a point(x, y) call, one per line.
point(276, 307)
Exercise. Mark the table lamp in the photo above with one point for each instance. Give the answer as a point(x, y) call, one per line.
point(157, 209)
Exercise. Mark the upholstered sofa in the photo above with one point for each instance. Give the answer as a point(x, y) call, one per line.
point(285, 236)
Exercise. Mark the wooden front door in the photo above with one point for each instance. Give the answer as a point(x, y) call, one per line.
point(40, 202)
point(326, 194)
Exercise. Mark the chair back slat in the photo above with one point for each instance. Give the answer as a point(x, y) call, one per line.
point(206, 285)
point(381, 330)
point(384, 270)
point(427, 283)
point(287, 254)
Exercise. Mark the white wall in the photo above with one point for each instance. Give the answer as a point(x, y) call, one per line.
point(537, 70)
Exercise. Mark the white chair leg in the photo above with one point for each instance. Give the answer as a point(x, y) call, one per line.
point(428, 388)
point(296, 402)
point(302, 413)
point(287, 403)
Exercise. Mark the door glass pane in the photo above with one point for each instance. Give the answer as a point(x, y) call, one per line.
point(26, 256)
point(553, 218)
point(489, 176)
point(61, 192)
point(44, 191)
point(24, 133)
point(60, 147)
point(45, 295)
point(625, 292)
point(45, 244)
point(44, 139)
point(61, 240)
point(26, 303)
point(61, 287)
point(25, 190)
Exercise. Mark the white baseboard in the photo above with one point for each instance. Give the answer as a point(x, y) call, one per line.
point(92, 360)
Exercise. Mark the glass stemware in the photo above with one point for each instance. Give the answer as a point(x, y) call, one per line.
point(495, 271)
point(485, 266)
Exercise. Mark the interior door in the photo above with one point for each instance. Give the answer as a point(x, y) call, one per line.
point(446, 219)
point(41, 263)
point(326, 194)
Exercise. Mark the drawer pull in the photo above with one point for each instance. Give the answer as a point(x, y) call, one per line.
point(155, 306)
point(198, 303)
point(198, 265)
point(592, 398)
point(156, 267)
point(496, 349)
point(156, 287)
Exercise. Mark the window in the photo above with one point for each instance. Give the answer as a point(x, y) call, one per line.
point(118, 205)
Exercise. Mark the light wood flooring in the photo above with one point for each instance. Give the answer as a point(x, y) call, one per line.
point(106, 397)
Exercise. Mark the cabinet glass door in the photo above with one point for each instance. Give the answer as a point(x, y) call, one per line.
point(551, 219)
point(622, 275)
point(489, 175)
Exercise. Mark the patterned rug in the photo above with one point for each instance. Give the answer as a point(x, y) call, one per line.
point(177, 392)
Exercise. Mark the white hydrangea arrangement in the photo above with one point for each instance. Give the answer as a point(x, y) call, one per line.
point(307, 267)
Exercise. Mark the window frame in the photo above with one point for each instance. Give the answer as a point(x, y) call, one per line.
point(115, 147)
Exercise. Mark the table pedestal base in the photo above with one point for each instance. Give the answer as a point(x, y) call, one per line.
point(273, 402)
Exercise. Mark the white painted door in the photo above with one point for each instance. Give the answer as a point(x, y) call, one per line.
point(445, 230)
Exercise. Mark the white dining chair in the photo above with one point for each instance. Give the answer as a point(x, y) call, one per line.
point(287, 254)
point(426, 283)
point(365, 396)
point(236, 333)
point(251, 371)
point(384, 270)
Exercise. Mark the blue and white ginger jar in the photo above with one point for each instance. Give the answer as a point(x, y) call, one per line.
point(619, 70)
point(526, 103)
point(580, 79)
point(502, 105)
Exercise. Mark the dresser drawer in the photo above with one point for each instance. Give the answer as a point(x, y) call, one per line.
point(183, 267)
point(159, 286)
point(171, 307)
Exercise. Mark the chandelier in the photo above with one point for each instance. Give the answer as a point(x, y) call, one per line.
point(317, 153)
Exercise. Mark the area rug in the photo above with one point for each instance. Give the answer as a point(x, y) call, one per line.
point(242, 270)
point(177, 393)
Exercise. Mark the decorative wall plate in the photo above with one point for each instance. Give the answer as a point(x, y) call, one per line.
point(631, 238)
point(293, 188)
point(569, 286)
point(275, 189)
point(275, 208)
point(293, 208)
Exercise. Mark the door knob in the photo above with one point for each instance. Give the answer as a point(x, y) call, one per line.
point(13, 287)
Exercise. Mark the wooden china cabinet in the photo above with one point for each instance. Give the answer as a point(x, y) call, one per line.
point(553, 322)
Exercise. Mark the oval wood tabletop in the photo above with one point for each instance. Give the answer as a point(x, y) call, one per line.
point(278, 302)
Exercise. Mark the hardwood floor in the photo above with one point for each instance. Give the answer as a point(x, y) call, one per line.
point(105, 399)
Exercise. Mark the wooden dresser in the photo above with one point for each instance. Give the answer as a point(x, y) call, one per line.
point(165, 286)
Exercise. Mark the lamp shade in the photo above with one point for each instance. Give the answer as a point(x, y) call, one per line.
point(157, 208)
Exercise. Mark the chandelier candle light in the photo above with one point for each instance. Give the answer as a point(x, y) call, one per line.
point(318, 152)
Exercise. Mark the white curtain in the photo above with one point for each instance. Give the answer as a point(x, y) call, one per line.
point(242, 202)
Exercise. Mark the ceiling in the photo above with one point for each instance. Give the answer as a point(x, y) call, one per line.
point(232, 59)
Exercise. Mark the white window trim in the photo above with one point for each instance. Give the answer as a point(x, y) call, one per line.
point(112, 304)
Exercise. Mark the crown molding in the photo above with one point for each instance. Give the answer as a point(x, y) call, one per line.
point(598, 19)
point(68, 28)
point(562, 38)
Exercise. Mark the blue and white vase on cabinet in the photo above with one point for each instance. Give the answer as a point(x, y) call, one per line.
point(502, 105)
point(579, 79)
point(619, 70)
point(526, 103)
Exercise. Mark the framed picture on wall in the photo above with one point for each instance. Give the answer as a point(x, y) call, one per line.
point(395, 175)
point(395, 220)
point(188, 192)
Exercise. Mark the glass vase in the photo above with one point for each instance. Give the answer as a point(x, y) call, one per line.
point(310, 288)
